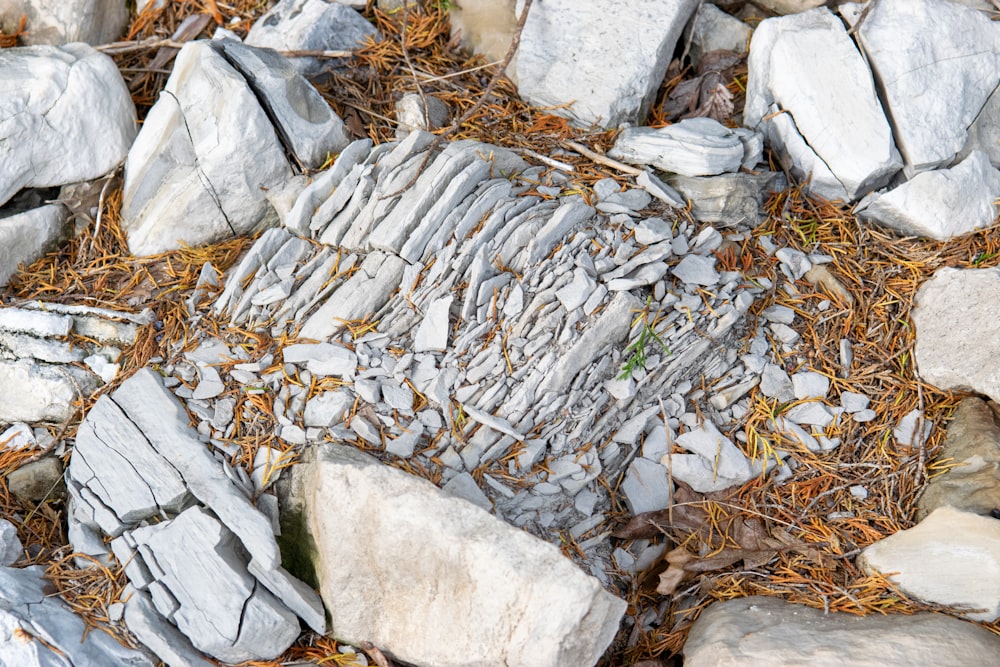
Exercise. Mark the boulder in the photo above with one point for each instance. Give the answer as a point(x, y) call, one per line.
point(585, 57)
point(770, 631)
point(957, 336)
point(811, 94)
point(311, 25)
point(66, 116)
point(26, 236)
point(934, 82)
point(972, 481)
point(509, 598)
point(45, 392)
point(950, 558)
point(64, 21)
point(939, 204)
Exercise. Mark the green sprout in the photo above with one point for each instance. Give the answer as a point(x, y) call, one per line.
point(636, 350)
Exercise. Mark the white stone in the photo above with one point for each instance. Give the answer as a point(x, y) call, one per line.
point(65, 21)
point(939, 204)
point(574, 54)
point(853, 402)
point(692, 147)
point(652, 230)
point(516, 600)
point(913, 429)
point(10, 545)
point(322, 359)
point(957, 335)
point(646, 486)
point(770, 631)
point(696, 270)
point(775, 383)
point(934, 85)
point(464, 486)
point(45, 393)
point(811, 95)
point(814, 414)
point(27, 236)
point(950, 558)
point(404, 445)
point(809, 384)
point(56, 102)
point(576, 293)
point(715, 463)
point(158, 634)
point(794, 262)
point(712, 29)
point(432, 334)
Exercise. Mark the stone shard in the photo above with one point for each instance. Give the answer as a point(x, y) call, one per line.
point(59, 101)
point(512, 599)
point(186, 176)
point(770, 631)
point(950, 558)
point(28, 235)
point(939, 204)
point(584, 57)
point(156, 633)
point(956, 336)
point(810, 93)
point(692, 147)
point(934, 83)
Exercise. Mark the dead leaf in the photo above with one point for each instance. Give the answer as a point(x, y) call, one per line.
point(717, 104)
point(672, 577)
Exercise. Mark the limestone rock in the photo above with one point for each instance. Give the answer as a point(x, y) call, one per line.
point(727, 199)
point(984, 133)
point(64, 21)
point(972, 481)
point(586, 55)
point(939, 204)
point(956, 345)
point(28, 235)
point(45, 392)
point(311, 25)
point(512, 599)
point(11, 549)
point(56, 101)
point(810, 93)
point(935, 82)
point(788, 6)
point(38, 481)
point(412, 114)
point(692, 147)
point(714, 464)
point(712, 29)
point(770, 631)
point(950, 558)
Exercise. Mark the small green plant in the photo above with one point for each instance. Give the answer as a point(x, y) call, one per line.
point(636, 350)
point(983, 257)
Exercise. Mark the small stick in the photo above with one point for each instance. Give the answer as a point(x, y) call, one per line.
point(600, 159)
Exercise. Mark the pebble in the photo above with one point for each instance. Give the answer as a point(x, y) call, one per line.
point(696, 270)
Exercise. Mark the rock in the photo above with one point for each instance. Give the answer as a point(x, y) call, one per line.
point(728, 199)
point(775, 383)
point(186, 179)
point(486, 27)
point(950, 558)
point(38, 481)
point(783, 7)
point(984, 133)
point(11, 549)
point(327, 408)
point(770, 631)
point(715, 463)
point(516, 600)
point(972, 480)
point(61, 21)
point(954, 349)
point(311, 25)
point(432, 334)
point(808, 384)
point(933, 85)
point(411, 114)
point(646, 486)
point(712, 29)
point(939, 204)
point(464, 486)
point(692, 147)
point(912, 430)
point(45, 392)
point(155, 632)
point(696, 270)
point(811, 95)
point(28, 235)
point(41, 630)
point(57, 101)
point(573, 55)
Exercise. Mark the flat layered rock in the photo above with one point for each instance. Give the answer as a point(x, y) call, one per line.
point(512, 600)
point(28, 235)
point(692, 147)
point(770, 631)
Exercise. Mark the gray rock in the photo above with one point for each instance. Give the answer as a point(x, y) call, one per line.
point(305, 123)
point(572, 54)
point(58, 100)
point(984, 133)
point(158, 634)
point(10, 545)
point(28, 235)
point(414, 112)
point(952, 349)
point(775, 383)
point(646, 486)
point(725, 464)
point(520, 601)
point(727, 199)
point(464, 486)
point(934, 86)
point(186, 176)
point(45, 393)
point(809, 384)
point(853, 402)
point(327, 408)
point(322, 359)
point(912, 430)
point(37, 481)
point(692, 147)
point(939, 204)
point(696, 270)
point(432, 334)
point(712, 29)
point(61, 22)
point(811, 95)
point(768, 630)
point(311, 25)
point(783, 7)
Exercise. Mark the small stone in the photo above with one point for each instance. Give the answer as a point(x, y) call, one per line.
point(775, 383)
point(646, 486)
point(696, 270)
point(906, 432)
point(464, 486)
point(327, 408)
point(809, 384)
point(10, 544)
point(862, 416)
point(814, 414)
point(404, 445)
point(432, 334)
point(38, 481)
point(853, 402)
point(652, 230)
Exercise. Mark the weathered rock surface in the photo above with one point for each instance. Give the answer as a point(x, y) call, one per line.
point(939, 204)
point(28, 235)
point(972, 481)
point(692, 147)
point(56, 101)
point(712, 29)
point(511, 598)
point(810, 93)
point(585, 55)
point(64, 21)
point(770, 631)
point(934, 82)
point(950, 558)
point(955, 345)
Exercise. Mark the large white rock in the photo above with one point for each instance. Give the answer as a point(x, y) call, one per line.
point(63, 21)
point(811, 94)
point(604, 59)
point(692, 147)
point(935, 81)
point(65, 116)
point(437, 580)
point(950, 558)
point(24, 237)
point(37, 391)
point(769, 631)
point(940, 204)
point(200, 169)
point(957, 333)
